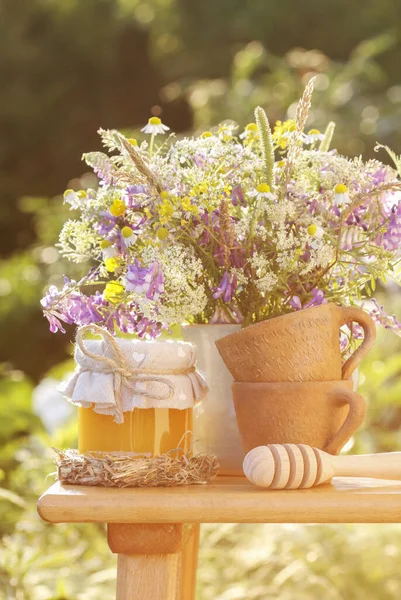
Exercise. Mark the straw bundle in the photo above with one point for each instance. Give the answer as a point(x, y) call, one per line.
point(117, 469)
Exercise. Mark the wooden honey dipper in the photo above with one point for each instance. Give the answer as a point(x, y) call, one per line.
point(297, 466)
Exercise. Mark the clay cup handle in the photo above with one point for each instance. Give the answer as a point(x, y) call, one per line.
point(353, 313)
point(355, 417)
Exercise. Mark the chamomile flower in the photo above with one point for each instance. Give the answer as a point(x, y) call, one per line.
point(250, 133)
point(74, 199)
point(262, 191)
point(155, 127)
point(226, 131)
point(312, 137)
point(316, 231)
point(128, 236)
point(341, 197)
point(108, 251)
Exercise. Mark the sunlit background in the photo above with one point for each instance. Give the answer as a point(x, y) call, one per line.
point(69, 67)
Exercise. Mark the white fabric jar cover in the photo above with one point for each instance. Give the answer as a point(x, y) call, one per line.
point(120, 375)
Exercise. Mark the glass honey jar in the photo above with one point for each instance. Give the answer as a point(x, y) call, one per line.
point(134, 396)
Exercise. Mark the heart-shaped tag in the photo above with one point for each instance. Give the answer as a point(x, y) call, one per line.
point(139, 357)
point(182, 396)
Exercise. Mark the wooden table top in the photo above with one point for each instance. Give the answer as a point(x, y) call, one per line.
point(226, 500)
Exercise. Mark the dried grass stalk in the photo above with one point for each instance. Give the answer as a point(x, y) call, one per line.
point(141, 165)
point(390, 186)
point(227, 233)
point(295, 145)
point(118, 469)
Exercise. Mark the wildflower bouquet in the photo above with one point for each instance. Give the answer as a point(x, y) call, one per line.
point(227, 228)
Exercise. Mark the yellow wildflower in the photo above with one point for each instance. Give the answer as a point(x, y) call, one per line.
point(198, 189)
point(165, 210)
point(113, 292)
point(117, 208)
point(188, 206)
point(112, 264)
point(282, 132)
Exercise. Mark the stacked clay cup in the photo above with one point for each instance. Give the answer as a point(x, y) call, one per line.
point(290, 385)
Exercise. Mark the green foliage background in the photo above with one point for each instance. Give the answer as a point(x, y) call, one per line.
point(68, 67)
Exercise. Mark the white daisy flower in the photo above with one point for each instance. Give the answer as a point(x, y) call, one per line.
point(155, 126)
point(341, 197)
point(262, 191)
point(129, 236)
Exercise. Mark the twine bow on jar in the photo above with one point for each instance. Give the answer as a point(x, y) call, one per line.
point(124, 375)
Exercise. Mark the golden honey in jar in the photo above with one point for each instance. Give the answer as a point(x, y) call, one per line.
point(135, 396)
point(144, 431)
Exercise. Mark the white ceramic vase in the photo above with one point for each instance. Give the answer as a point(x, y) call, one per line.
point(215, 423)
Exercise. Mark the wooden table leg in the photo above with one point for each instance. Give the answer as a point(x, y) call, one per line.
point(189, 561)
point(149, 557)
point(147, 577)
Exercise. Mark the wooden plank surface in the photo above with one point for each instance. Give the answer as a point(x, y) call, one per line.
point(226, 500)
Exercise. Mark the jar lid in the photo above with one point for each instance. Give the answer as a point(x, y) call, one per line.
point(116, 375)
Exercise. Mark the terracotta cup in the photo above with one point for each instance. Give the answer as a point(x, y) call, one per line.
point(322, 414)
point(299, 346)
